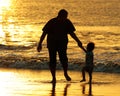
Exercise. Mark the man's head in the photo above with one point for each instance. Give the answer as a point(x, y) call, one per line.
point(62, 14)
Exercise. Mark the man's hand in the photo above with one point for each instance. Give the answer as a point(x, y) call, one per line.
point(39, 48)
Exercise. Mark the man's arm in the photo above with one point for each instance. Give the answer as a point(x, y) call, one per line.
point(73, 35)
point(39, 47)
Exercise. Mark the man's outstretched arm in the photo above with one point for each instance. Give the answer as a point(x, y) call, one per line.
point(73, 35)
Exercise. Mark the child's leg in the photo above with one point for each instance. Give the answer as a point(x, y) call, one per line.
point(83, 75)
point(90, 77)
point(90, 74)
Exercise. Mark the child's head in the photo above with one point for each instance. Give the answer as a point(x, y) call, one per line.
point(90, 46)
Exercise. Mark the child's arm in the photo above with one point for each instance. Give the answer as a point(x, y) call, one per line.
point(83, 49)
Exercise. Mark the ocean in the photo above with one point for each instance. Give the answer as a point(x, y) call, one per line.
point(21, 23)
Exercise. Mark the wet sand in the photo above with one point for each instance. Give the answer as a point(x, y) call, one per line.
point(18, 82)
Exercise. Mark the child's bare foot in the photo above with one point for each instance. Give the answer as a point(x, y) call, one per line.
point(53, 81)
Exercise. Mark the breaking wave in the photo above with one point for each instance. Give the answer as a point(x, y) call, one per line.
point(43, 64)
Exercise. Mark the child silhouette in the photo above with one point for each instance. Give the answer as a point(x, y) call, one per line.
point(89, 65)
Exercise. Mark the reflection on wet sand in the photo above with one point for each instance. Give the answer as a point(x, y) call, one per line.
point(18, 82)
point(53, 93)
point(84, 91)
point(65, 89)
point(53, 89)
point(89, 91)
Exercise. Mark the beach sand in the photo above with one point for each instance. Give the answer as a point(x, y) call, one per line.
point(19, 82)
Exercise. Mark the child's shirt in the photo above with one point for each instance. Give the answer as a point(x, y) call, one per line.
point(89, 59)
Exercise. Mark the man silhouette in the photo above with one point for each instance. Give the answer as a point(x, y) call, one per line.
point(57, 30)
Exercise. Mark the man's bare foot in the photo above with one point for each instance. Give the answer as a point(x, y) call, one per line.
point(83, 80)
point(67, 78)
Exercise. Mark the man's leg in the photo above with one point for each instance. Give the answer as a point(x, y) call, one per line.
point(65, 68)
point(64, 61)
point(52, 64)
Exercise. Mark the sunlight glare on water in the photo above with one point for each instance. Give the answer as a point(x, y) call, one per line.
point(7, 80)
point(4, 3)
point(4, 7)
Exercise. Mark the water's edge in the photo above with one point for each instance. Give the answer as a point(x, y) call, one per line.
point(43, 64)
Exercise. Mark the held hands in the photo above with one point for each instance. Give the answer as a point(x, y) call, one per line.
point(80, 45)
